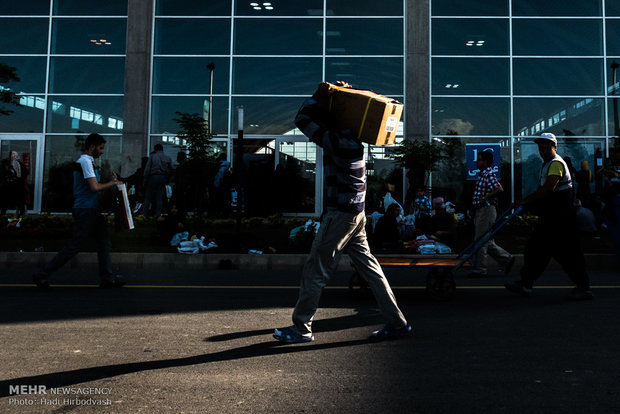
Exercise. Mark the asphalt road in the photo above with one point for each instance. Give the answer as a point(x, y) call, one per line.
point(200, 342)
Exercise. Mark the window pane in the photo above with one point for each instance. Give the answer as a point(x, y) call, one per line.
point(469, 8)
point(102, 114)
point(89, 36)
point(558, 76)
point(561, 116)
point(193, 8)
point(25, 118)
point(470, 37)
point(278, 37)
point(470, 116)
point(284, 8)
point(614, 117)
point(296, 172)
point(276, 75)
point(87, 75)
point(88, 8)
point(266, 115)
point(382, 75)
point(31, 72)
point(355, 37)
point(556, 8)
point(613, 8)
point(613, 37)
point(473, 76)
point(25, 8)
point(613, 76)
point(165, 108)
point(23, 36)
point(557, 37)
point(178, 36)
point(365, 8)
point(190, 75)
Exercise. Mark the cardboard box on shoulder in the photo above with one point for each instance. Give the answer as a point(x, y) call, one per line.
point(371, 118)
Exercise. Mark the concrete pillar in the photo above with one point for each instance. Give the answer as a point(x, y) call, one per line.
point(137, 75)
point(417, 76)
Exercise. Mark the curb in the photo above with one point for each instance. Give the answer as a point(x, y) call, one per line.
point(230, 261)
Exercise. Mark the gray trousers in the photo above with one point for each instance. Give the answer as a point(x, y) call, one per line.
point(484, 217)
point(342, 232)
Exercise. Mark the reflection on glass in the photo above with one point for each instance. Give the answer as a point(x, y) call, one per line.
point(465, 76)
point(278, 37)
point(31, 72)
point(556, 8)
point(190, 75)
point(23, 36)
point(469, 8)
point(559, 37)
point(365, 7)
point(27, 153)
point(25, 8)
point(87, 75)
point(266, 115)
point(470, 116)
point(296, 171)
point(613, 37)
point(89, 36)
point(284, 8)
point(276, 75)
point(558, 76)
point(193, 8)
point(364, 37)
point(382, 75)
point(103, 114)
point(614, 119)
point(25, 118)
point(178, 36)
point(470, 37)
point(87, 8)
point(561, 116)
point(165, 107)
point(61, 152)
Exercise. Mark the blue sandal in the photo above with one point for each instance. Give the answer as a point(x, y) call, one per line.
point(291, 335)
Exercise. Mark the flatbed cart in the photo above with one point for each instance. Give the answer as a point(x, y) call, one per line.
point(440, 283)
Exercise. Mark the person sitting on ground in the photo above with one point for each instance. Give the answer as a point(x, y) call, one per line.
point(387, 234)
point(443, 226)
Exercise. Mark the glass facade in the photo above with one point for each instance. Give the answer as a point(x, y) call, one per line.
point(69, 56)
point(501, 72)
point(505, 72)
point(267, 57)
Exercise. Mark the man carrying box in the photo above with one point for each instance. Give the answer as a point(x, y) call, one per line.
point(342, 227)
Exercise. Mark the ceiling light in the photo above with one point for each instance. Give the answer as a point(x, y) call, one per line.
point(449, 85)
point(253, 4)
point(456, 85)
point(257, 8)
point(268, 8)
point(469, 43)
point(266, 4)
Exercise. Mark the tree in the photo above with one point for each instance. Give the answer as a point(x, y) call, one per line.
point(8, 74)
point(195, 132)
point(420, 158)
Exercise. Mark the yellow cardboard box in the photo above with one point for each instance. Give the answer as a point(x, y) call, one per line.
point(371, 118)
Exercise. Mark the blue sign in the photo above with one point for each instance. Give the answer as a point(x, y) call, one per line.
point(471, 154)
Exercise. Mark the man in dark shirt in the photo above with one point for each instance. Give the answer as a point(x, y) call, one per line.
point(342, 228)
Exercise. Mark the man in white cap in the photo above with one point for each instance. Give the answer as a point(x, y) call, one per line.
point(555, 235)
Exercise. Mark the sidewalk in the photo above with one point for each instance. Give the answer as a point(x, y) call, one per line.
point(236, 261)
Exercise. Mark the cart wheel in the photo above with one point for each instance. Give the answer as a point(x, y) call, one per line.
point(440, 284)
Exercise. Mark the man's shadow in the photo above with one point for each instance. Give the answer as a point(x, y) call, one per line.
point(78, 376)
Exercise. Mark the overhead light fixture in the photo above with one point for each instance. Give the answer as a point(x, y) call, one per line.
point(469, 43)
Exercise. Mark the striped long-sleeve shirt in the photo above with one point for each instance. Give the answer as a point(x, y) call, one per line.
point(343, 159)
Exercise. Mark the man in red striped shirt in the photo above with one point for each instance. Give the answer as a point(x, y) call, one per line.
point(485, 205)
